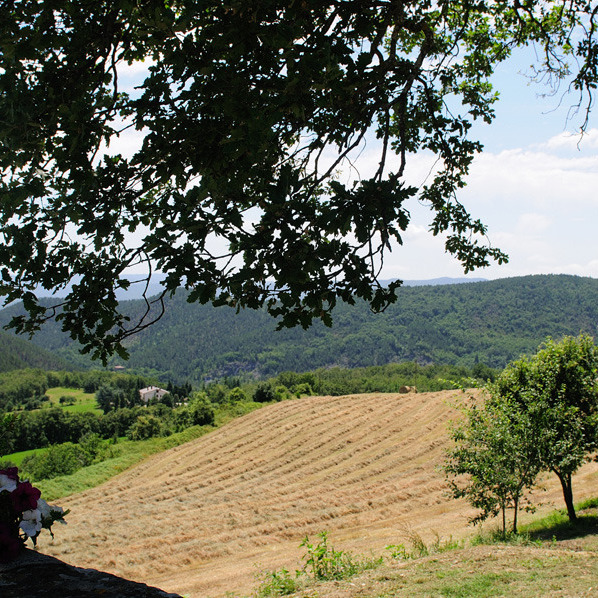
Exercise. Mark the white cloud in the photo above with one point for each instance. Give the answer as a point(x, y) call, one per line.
point(573, 141)
point(533, 223)
point(539, 202)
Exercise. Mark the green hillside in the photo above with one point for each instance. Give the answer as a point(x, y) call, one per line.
point(490, 322)
point(17, 353)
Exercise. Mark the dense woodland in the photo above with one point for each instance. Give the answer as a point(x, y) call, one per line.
point(16, 353)
point(489, 322)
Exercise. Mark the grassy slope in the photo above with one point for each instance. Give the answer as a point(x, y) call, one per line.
point(84, 401)
point(198, 518)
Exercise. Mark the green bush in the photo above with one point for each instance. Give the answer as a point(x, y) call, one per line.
point(202, 412)
point(324, 563)
point(264, 393)
point(282, 393)
point(218, 393)
point(279, 583)
point(57, 460)
point(302, 389)
point(146, 426)
point(237, 395)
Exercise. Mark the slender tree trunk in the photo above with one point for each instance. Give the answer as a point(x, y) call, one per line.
point(515, 510)
point(504, 521)
point(567, 494)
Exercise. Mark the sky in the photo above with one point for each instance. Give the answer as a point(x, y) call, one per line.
point(535, 186)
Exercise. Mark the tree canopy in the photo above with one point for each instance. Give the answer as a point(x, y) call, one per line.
point(541, 414)
point(557, 391)
point(247, 113)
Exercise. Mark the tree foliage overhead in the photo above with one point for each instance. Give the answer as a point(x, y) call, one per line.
point(247, 113)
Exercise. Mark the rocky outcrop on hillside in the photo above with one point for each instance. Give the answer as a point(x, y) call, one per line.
point(35, 575)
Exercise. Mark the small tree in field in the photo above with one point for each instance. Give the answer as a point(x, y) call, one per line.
point(493, 462)
point(541, 414)
point(557, 389)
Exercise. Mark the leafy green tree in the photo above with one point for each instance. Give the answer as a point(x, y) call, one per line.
point(247, 112)
point(167, 400)
point(202, 412)
point(105, 398)
point(237, 395)
point(494, 460)
point(218, 393)
point(282, 393)
point(58, 459)
point(6, 424)
point(558, 390)
point(146, 426)
point(302, 389)
point(541, 414)
point(264, 393)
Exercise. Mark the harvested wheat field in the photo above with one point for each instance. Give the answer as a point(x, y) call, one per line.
point(201, 519)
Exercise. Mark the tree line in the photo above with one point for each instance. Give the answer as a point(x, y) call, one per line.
point(24, 388)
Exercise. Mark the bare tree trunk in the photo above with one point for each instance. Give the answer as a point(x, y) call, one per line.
point(567, 494)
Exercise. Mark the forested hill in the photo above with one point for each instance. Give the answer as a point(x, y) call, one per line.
point(17, 353)
point(491, 322)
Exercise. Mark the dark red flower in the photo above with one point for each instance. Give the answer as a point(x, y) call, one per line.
point(11, 472)
point(10, 543)
point(24, 497)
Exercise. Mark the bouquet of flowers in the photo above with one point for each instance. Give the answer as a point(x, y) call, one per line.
point(23, 514)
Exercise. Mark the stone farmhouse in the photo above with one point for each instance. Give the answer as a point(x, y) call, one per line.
point(151, 392)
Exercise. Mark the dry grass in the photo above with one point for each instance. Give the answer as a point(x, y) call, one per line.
point(201, 518)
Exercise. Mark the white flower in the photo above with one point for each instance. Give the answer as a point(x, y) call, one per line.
point(32, 522)
point(7, 483)
point(48, 512)
point(44, 508)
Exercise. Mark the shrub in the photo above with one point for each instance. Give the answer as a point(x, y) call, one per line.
point(237, 395)
point(202, 412)
point(279, 583)
point(264, 393)
point(323, 562)
point(302, 389)
point(282, 393)
point(146, 426)
point(218, 393)
point(57, 460)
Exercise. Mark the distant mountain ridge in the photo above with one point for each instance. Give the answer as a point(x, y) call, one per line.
point(491, 322)
point(440, 281)
point(138, 287)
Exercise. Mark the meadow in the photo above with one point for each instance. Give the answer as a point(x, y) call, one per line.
point(83, 402)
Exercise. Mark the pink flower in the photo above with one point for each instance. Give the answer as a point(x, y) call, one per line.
point(24, 497)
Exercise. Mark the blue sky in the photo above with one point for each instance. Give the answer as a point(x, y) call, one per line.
point(535, 185)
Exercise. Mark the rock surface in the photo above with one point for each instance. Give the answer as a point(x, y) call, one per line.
point(35, 575)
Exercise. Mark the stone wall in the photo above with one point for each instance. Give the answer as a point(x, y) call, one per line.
point(35, 575)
